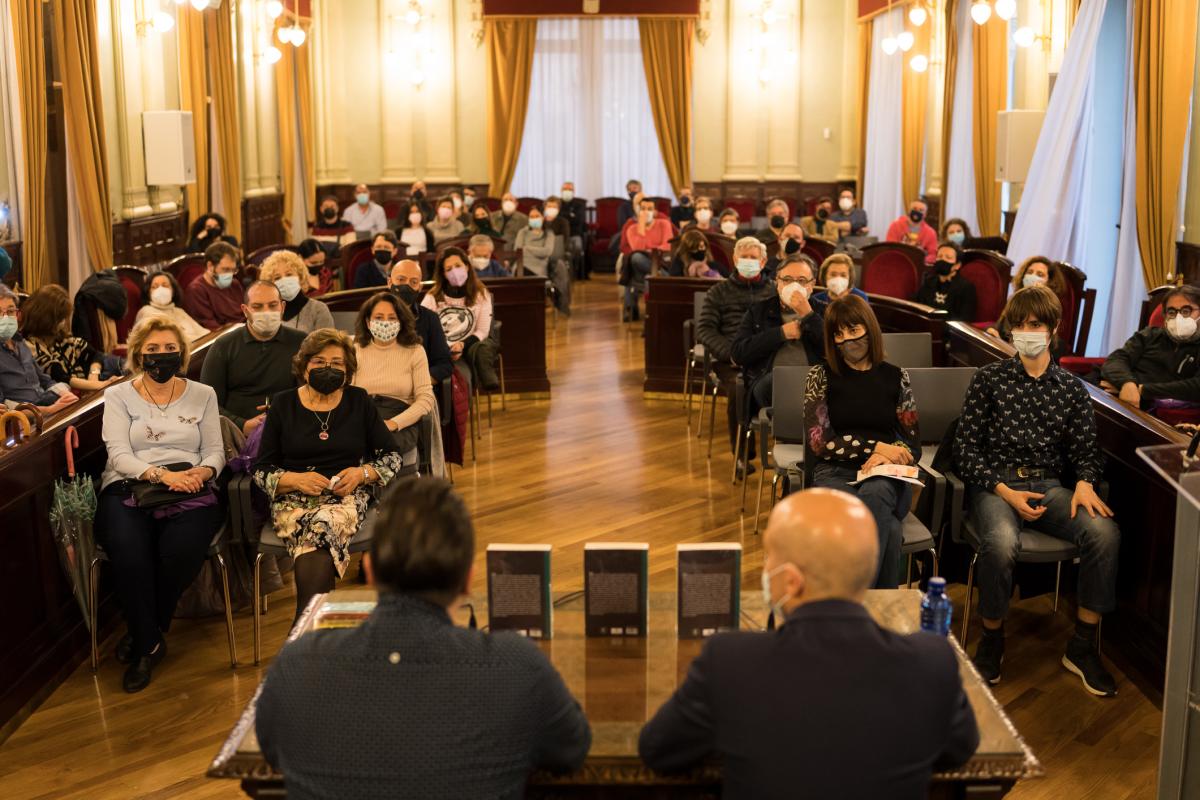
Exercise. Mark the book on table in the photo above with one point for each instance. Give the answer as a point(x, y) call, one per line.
point(342, 614)
point(709, 586)
point(615, 578)
point(518, 587)
point(898, 472)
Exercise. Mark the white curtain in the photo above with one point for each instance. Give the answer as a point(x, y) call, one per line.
point(589, 118)
point(883, 193)
point(960, 171)
point(10, 120)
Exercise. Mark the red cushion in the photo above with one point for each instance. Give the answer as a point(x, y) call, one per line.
point(983, 326)
point(1069, 303)
point(606, 215)
point(1156, 317)
point(890, 274)
point(1179, 416)
point(991, 292)
point(1080, 365)
point(133, 291)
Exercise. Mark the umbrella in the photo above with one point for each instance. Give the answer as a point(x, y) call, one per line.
point(71, 515)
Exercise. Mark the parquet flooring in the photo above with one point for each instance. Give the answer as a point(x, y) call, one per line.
point(596, 461)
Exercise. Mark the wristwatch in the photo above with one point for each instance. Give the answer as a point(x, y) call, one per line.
point(366, 474)
point(156, 475)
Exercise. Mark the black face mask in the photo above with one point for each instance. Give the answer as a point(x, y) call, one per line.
point(482, 222)
point(408, 295)
point(329, 213)
point(213, 233)
point(822, 213)
point(777, 221)
point(791, 247)
point(418, 194)
point(916, 216)
point(632, 195)
point(315, 269)
point(161, 367)
point(382, 257)
point(944, 268)
point(698, 255)
point(326, 380)
point(685, 201)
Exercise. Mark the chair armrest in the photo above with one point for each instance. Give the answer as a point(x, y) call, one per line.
point(937, 510)
point(958, 502)
point(688, 335)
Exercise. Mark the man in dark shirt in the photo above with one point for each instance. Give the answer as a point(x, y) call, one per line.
point(214, 299)
point(683, 213)
point(1160, 363)
point(383, 251)
point(1026, 422)
point(246, 367)
point(778, 216)
point(849, 218)
point(406, 283)
point(830, 704)
point(944, 288)
point(574, 211)
point(407, 704)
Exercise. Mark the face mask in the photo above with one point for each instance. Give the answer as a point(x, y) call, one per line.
point(749, 268)
point(698, 255)
point(729, 227)
point(788, 293)
point(483, 222)
point(457, 276)
point(535, 223)
point(384, 330)
point(315, 269)
point(791, 246)
point(568, 195)
point(161, 367)
point(777, 221)
point(444, 213)
point(822, 213)
point(469, 200)
point(326, 380)
point(508, 207)
point(457, 201)
point(551, 213)
point(845, 204)
point(213, 231)
point(479, 263)
point(685, 200)
point(224, 281)
point(1032, 345)
point(854, 350)
point(703, 215)
point(632, 195)
point(418, 194)
point(161, 296)
point(8, 328)
point(362, 198)
point(265, 323)
point(776, 608)
point(382, 257)
point(408, 295)
point(329, 213)
point(944, 268)
point(414, 218)
point(837, 285)
point(958, 237)
point(916, 216)
point(1032, 280)
point(1180, 328)
point(288, 288)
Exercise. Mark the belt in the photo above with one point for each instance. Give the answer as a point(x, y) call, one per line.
point(1034, 473)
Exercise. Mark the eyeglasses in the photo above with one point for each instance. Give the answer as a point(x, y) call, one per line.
point(786, 279)
point(1185, 311)
point(413, 282)
point(10, 312)
point(320, 363)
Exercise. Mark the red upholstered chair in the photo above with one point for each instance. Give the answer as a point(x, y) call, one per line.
point(603, 229)
point(991, 275)
point(818, 249)
point(744, 206)
point(260, 255)
point(186, 268)
point(526, 203)
point(392, 209)
point(721, 247)
point(492, 203)
point(892, 269)
point(134, 280)
point(354, 255)
point(1152, 316)
point(662, 206)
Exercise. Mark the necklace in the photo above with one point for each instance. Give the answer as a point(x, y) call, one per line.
point(324, 423)
point(162, 410)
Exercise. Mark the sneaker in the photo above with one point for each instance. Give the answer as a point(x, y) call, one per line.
point(989, 656)
point(1082, 659)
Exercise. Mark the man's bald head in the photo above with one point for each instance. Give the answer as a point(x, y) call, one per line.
point(407, 271)
point(823, 544)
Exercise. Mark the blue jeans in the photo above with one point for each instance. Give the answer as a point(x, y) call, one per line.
point(998, 526)
point(888, 501)
point(640, 265)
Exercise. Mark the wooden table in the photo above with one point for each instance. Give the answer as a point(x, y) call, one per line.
point(622, 682)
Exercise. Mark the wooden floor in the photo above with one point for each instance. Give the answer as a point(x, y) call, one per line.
point(597, 461)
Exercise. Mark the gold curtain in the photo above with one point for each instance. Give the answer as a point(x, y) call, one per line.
point(865, 31)
point(990, 43)
point(948, 92)
point(510, 44)
point(223, 85)
point(193, 97)
point(304, 113)
point(31, 82)
point(293, 90)
point(1164, 50)
point(914, 93)
point(667, 61)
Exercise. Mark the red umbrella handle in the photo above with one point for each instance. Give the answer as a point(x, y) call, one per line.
point(70, 442)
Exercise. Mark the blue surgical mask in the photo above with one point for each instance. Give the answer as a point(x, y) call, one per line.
point(749, 268)
point(224, 281)
point(288, 287)
point(363, 198)
point(958, 238)
point(535, 223)
point(8, 328)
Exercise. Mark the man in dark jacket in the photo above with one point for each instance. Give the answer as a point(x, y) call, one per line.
point(1160, 363)
point(407, 704)
point(406, 283)
point(574, 211)
point(784, 330)
point(724, 306)
point(829, 704)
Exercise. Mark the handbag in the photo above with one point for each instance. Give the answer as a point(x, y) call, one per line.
point(150, 495)
point(406, 438)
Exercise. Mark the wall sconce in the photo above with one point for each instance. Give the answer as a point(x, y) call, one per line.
point(918, 14)
point(158, 22)
point(413, 16)
point(1027, 37)
point(763, 56)
point(270, 54)
point(981, 12)
point(274, 9)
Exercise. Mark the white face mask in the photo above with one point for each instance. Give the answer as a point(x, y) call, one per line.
point(729, 227)
point(1032, 280)
point(703, 215)
point(479, 262)
point(414, 218)
point(444, 213)
point(551, 213)
point(649, 215)
point(845, 204)
point(160, 296)
point(568, 195)
point(788, 293)
point(1030, 345)
point(837, 285)
point(1182, 328)
point(288, 287)
point(265, 323)
point(776, 608)
point(508, 206)
point(384, 330)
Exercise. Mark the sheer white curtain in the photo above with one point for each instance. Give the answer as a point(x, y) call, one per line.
point(589, 117)
point(883, 191)
point(960, 171)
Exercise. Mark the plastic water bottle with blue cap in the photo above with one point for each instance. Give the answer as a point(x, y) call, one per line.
point(936, 608)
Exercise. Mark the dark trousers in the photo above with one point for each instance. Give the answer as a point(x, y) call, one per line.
point(727, 375)
point(888, 501)
point(152, 560)
point(640, 265)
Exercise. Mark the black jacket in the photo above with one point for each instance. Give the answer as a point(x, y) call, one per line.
point(1163, 367)
point(724, 306)
point(437, 351)
point(575, 212)
point(408, 705)
point(956, 297)
point(760, 335)
point(104, 291)
point(829, 705)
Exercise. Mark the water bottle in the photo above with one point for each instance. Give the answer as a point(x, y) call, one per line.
point(936, 608)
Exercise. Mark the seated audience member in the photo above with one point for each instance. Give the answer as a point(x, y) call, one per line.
point(319, 280)
point(778, 216)
point(163, 296)
point(159, 428)
point(1158, 363)
point(461, 211)
point(21, 380)
point(536, 244)
point(406, 285)
point(944, 288)
point(820, 225)
point(556, 223)
point(724, 306)
point(791, 242)
point(415, 233)
point(329, 226)
point(860, 414)
point(383, 253)
point(639, 238)
point(816, 707)
point(286, 270)
point(46, 326)
point(480, 250)
point(469, 197)
point(445, 225)
point(324, 429)
point(1026, 424)
point(628, 210)
point(392, 367)
point(508, 222)
point(955, 230)
point(779, 331)
point(406, 668)
point(1037, 271)
point(247, 367)
point(206, 230)
point(849, 218)
point(464, 308)
point(728, 222)
point(364, 214)
point(418, 194)
point(913, 229)
point(574, 211)
point(684, 212)
point(481, 222)
point(559, 266)
point(214, 298)
point(837, 274)
point(703, 216)
point(691, 257)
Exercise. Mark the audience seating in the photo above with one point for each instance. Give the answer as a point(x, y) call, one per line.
point(257, 257)
point(818, 250)
point(524, 204)
point(604, 228)
point(662, 206)
point(784, 420)
point(991, 275)
point(1152, 316)
point(694, 356)
point(892, 269)
point(464, 242)
point(908, 350)
point(1078, 304)
point(133, 279)
point(393, 208)
point(721, 247)
point(491, 203)
point(744, 206)
point(186, 268)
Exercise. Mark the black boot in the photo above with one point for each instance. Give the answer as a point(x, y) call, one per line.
point(990, 654)
point(137, 677)
point(1083, 659)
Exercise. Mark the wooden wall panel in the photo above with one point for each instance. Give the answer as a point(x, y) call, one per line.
point(262, 222)
point(801, 195)
point(149, 240)
point(1187, 258)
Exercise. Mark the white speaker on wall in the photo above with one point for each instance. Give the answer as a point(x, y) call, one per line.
point(170, 147)
point(1016, 138)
